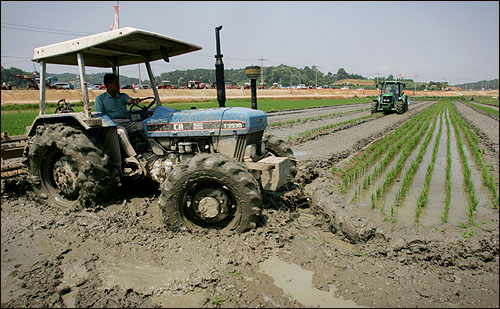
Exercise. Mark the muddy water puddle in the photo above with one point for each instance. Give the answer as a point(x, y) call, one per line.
point(296, 282)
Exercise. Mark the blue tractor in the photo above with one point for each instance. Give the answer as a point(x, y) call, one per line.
point(211, 164)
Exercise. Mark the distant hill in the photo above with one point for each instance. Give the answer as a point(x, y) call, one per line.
point(355, 82)
point(486, 84)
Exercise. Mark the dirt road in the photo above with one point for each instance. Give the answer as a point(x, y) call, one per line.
point(313, 249)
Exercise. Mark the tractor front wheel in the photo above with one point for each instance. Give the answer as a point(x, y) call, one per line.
point(211, 191)
point(67, 168)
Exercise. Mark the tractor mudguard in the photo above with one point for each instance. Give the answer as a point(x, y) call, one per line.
point(99, 120)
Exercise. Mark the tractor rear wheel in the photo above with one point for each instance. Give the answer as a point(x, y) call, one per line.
point(67, 168)
point(211, 191)
point(400, 107)
point(374, 107)
point(279, 148)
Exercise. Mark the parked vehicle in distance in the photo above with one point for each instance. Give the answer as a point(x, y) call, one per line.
point(165, 84)
point(301, 86)
point(127, 87)
point(97, 86)
point(60, 85)
point(144, 87)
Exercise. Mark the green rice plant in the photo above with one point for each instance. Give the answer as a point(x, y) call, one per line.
point(299, 120)
point(411, 172)
point(472, 141)
point(397, 137)
point(444, 216)
point(331, 126)
point(410, 143)
point(377, 149)
point(489, 101)
point(467, 173)
point(402, 159)
point(424, 195)
point(374, 200)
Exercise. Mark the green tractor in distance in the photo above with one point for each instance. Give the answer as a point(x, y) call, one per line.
point(391, 98)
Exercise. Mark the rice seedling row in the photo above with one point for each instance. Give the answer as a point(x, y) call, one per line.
point(331, 126)
point(473, 201)
point(444, 216)
point(299, 120)
point(376, 150)
point(410, 173)
point(424, 195)
point(472, 141)
point(416, 127)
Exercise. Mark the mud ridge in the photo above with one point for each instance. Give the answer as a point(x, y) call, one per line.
point(387, 240)
point(482, 136)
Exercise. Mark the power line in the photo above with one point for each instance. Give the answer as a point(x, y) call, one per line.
point(51, 32)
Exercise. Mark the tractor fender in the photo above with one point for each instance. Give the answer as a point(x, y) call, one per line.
point(98, 120)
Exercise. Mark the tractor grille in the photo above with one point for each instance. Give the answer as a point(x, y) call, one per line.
point(239, 151)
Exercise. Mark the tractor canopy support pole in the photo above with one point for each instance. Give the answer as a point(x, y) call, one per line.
point(153, 84)
point(83, 84)
point(43, 66)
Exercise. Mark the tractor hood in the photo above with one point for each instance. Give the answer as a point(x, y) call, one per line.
point(169, 122)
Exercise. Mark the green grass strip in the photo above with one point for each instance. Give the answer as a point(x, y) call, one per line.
point(489, 110)
point(299, 120)
point(331, 126)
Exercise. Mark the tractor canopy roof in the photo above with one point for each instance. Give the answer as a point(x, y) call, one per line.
point(393, 82)
point(114, 48)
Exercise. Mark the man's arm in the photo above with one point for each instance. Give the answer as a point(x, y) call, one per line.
point(99, 107)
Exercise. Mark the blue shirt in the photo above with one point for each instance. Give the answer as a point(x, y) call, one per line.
point(113, 107)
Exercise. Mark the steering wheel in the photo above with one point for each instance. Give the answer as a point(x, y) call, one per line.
point(144, 108)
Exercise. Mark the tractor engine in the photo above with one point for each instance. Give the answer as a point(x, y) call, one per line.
point(175, 136)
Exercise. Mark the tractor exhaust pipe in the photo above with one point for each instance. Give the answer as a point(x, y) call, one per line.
point(219, 72)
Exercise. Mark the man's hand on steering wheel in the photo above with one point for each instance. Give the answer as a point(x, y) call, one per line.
point(135, 103)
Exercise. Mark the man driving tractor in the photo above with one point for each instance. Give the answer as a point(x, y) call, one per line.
point(114, 104)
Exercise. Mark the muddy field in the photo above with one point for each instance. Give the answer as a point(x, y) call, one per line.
point(316, 247)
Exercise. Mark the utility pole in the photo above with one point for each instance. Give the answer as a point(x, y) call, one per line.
point(262, 70)
point(316, 78)
point(415, 84)
point(140, 81)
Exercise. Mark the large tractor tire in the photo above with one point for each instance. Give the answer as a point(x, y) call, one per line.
point(400, 107)
point(211, 191)
point(374, 107)
point(279, 148)
point(67, 168)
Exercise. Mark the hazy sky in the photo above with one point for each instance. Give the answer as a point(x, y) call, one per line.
point(456, 41)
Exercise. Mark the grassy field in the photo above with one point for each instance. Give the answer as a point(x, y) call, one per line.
point(15, 118)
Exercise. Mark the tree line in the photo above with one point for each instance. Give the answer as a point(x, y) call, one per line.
point(281, 75)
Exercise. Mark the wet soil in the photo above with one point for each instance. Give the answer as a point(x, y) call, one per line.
point(313, 249)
